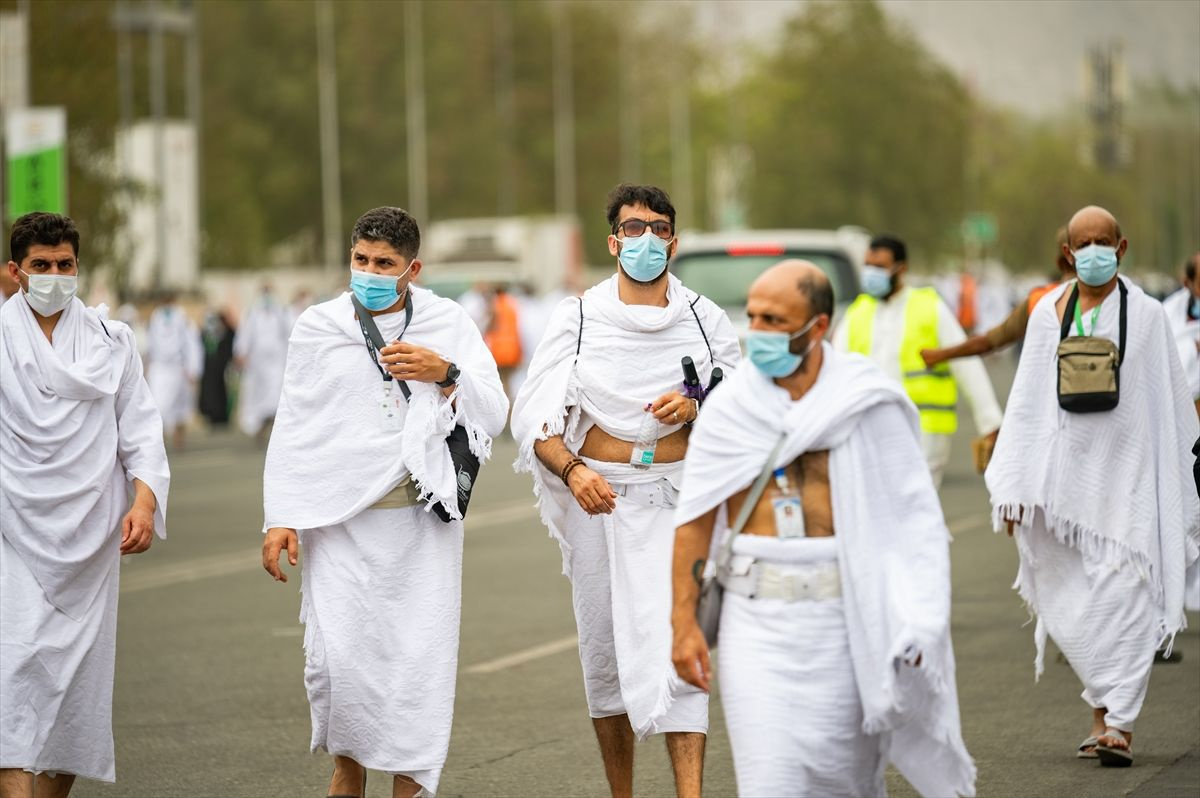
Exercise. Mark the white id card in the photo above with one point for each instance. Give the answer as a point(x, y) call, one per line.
point(789, 516)
point(389, 407)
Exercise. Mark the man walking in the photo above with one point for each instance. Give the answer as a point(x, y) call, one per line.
point(260, 350)
point(83, 481)
point(353, 468)
point(606, 376)
point(835, 646)
point(1101, 503)
point(174, 359)
point(891, 323)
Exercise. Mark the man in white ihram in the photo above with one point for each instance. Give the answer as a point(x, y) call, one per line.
point(1105, 514)
point(354, 468)
point(260, 350)
point(79, 438)
point(835, 631)
point(608, 360)
point(174, 360)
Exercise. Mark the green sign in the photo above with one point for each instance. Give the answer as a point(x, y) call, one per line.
point(980, 227)
point(35, 139)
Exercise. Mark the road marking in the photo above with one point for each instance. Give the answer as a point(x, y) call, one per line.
point(526, 655)
point(195, 569)
point(968, 523)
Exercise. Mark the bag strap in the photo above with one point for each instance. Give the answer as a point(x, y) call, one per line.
point(579, 338)
point(703, 334)
point(1069, 315)
point(751, 500)
point(374, 339)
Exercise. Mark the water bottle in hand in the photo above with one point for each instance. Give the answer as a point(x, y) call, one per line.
point(646, 441)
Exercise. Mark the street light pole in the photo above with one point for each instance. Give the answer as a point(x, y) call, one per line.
point(327, 109)
point(564, 113)
point(414, 96)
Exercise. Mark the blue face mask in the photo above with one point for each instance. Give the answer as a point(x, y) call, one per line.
point(643, 258)
point(1095, 264)
point(1195, 311)
point(876, 281)
point(768, 351)
point(376, 291)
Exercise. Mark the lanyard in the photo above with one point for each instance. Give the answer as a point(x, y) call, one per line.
point(370, 332)
point(1079, 319)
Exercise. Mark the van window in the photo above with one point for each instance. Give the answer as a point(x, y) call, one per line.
point(725, 278)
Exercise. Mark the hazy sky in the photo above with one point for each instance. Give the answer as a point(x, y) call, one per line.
point(1027, 54)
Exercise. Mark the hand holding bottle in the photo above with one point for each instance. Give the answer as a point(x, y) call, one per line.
point(674, 408)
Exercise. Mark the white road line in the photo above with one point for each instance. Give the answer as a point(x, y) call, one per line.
point(136, 580)
point(969, 522)
point(526, 655)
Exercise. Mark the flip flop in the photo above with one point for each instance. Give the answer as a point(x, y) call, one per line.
point(1083, 753)
point(1111, 756)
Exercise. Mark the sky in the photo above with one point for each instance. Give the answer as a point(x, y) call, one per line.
point(1024, 54)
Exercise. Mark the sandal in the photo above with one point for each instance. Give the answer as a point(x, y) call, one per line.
point(1087, 749)
point(1113, 756)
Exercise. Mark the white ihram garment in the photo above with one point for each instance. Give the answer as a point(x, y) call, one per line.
point(620, 575)
point(1114, 488)
point(893, 557)
point(77, 426)
point(174, 360)
point(1186, 331)
point(381, 587)
point(261, 341)
point(791, 703)
point(968, 372)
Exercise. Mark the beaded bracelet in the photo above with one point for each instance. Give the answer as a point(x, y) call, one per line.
point(569, 467)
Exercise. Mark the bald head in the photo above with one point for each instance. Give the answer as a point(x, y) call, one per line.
point(1093, 225)
point(796, 281)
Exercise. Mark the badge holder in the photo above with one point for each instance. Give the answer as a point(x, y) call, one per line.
point(789, 513)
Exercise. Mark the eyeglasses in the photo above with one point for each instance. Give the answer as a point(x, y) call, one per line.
point(633, 228)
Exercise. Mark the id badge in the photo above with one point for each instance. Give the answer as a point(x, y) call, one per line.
point(389, 408)
point(789, 517)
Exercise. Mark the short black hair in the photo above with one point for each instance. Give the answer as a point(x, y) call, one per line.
point(893, 245)
point(652, 197)
point(47, 229)
point(394, 226)
point(1189, 266)
point(817, 288)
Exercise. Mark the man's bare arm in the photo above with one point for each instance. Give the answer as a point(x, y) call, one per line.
point(689, 650)
point(975, 345)
point(591, 491)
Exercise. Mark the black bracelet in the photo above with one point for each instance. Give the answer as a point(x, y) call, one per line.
point(569, 467)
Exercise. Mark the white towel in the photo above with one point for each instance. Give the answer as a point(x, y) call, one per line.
point(329, 457)
point(1116, 485)
point(893, 546)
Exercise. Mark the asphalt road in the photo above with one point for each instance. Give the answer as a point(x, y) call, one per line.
point(210, 698)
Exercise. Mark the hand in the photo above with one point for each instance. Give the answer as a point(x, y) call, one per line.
point(137, 529)
point(413, 363)
point(591, 490)
point(277, 539)
point(674, 408)
point(689, 652)
point(932, 357)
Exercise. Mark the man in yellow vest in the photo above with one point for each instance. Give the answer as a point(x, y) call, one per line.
point(891, 323)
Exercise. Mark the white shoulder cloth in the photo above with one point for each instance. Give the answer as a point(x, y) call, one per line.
point(1115, 485)
point(893, 545)
point(77, 425)
point(330, 458)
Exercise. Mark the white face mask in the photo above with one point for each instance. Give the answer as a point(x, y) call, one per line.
point(50, 293)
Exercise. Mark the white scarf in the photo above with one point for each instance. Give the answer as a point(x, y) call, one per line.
point(329, 457)
point(77, 420)
point(628, 356)
point(1114, 485)
point(893, 545)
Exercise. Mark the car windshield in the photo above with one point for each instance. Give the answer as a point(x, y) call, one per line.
point(725, 278)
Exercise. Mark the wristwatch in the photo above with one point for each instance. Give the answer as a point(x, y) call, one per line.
point(451, 377)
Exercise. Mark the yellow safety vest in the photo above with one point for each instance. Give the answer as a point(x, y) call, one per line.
point(932, 390)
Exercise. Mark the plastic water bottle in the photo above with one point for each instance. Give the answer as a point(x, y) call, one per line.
point(646, 441)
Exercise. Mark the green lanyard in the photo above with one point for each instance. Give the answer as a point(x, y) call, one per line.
point(1079, 319)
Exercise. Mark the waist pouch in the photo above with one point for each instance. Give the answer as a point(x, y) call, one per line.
point(1089, 368)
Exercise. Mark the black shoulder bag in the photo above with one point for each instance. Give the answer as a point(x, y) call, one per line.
point(466, 464)
point(1089, 368)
